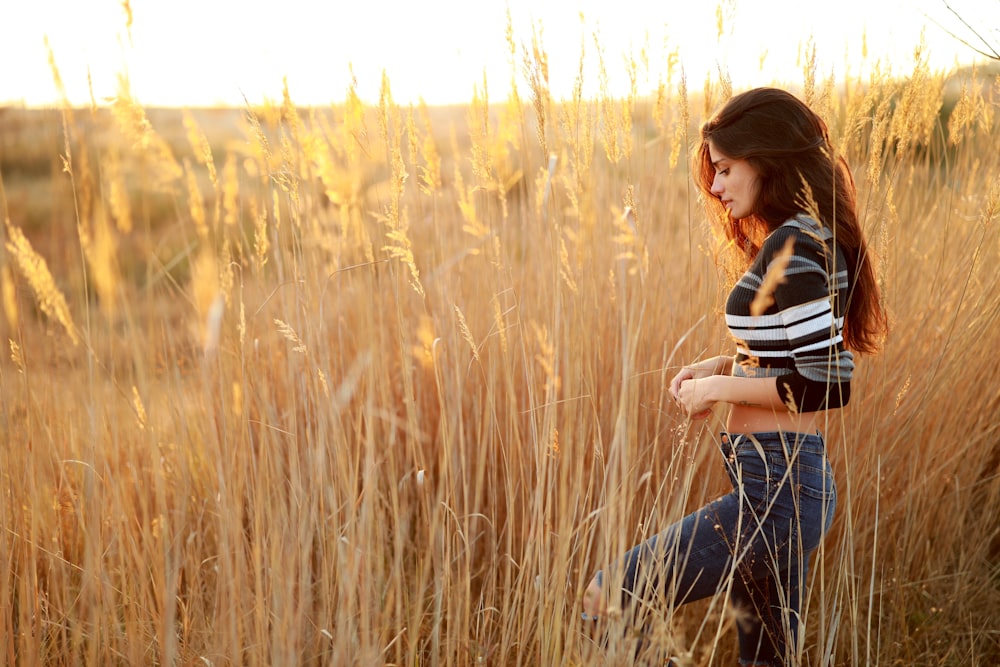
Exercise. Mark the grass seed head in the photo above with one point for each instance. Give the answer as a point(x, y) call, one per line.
point(775, 276)
point(35, 270)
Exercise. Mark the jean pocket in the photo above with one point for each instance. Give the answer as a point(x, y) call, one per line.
point(814, 481)
point(756, 476)
point(817, 501)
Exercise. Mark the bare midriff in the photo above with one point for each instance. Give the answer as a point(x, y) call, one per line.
point(744, 419)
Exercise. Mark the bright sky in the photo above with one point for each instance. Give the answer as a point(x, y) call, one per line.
point(207, 52)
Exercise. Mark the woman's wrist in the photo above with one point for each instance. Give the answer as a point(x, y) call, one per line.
point(710, 388)
point(724, 365)
point(721, 365)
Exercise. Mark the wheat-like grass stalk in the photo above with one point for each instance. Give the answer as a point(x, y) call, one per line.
point(463, 327)
point(196, 204)
point(35, 270)
point(394, 216)
point(430, 170)
point(536, 71)
point(101, 248)
point(132, 120)
point(775, 275)
point(16, 356)
point(915, 116)
point(8, 295)
point(615, 120)
point(288, 333)
point(117, 192)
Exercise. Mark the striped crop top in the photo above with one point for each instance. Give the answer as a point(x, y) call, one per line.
point(798, 338)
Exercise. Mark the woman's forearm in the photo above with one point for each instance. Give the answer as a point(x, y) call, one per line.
point(746, 392)
point(721, 365)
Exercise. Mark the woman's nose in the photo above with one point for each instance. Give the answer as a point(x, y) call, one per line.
point(716, 186)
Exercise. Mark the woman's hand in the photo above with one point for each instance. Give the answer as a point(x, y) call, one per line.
point(693, 396)
point(692, 400)
point(695, 372)
point(705, 368)
point(686, 373)
point(594, 604)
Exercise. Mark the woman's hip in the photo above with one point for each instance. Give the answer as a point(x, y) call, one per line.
point(783, 479)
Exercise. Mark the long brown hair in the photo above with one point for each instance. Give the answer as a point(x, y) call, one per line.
point(788, 145)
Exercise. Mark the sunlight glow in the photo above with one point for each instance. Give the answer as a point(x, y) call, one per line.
point(220, 52)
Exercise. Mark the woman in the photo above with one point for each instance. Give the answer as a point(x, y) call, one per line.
point(805, 297)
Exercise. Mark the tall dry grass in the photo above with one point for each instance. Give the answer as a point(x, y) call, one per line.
point(384, 385)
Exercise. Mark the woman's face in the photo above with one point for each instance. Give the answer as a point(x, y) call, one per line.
point(736, 183)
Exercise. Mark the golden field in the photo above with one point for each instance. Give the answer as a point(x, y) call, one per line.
point(384, 385)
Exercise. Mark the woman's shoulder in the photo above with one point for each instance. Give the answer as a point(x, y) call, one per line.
point(808, 235)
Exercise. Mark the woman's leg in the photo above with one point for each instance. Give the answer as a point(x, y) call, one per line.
point(689, 561)
point(767, 613)
point(782, 503)
point(768, 594)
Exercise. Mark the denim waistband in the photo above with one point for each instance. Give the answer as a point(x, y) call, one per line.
point(777, 441)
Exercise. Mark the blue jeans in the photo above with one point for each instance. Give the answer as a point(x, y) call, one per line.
point(755, 541)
